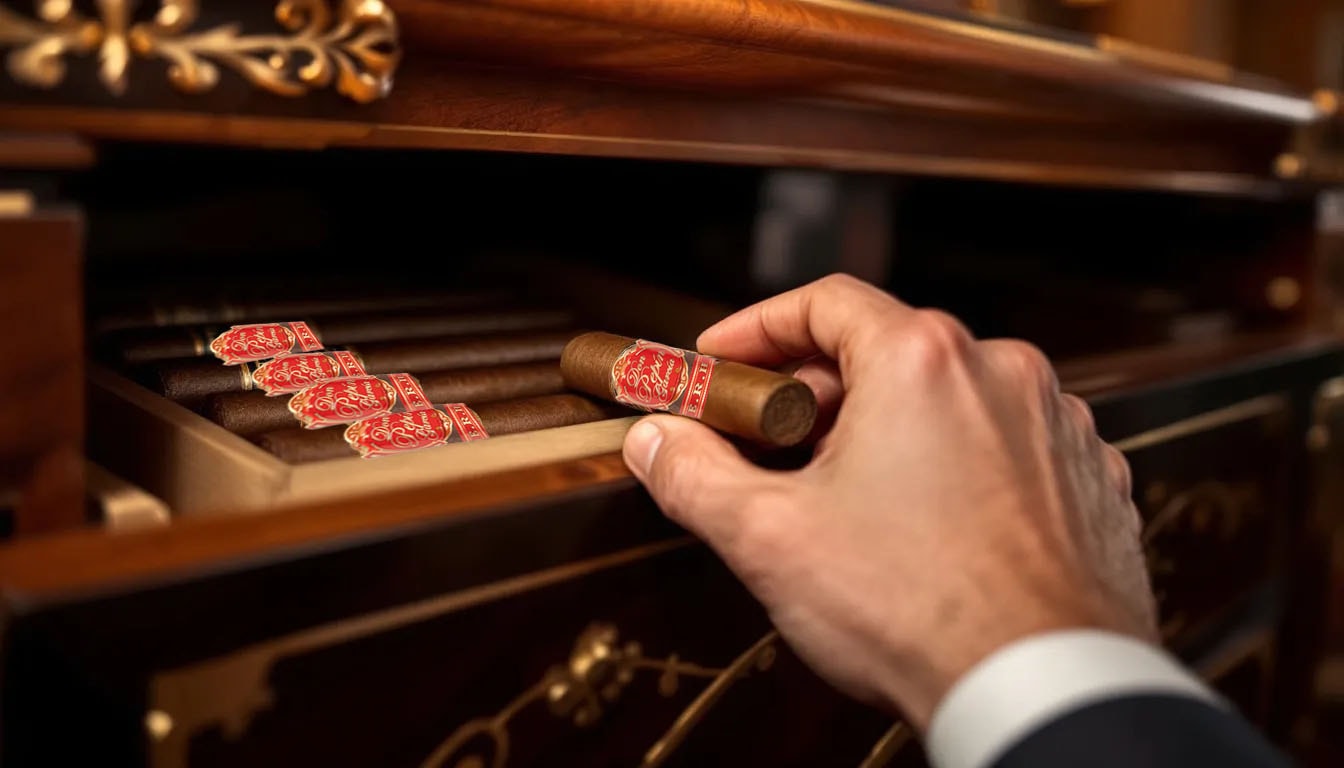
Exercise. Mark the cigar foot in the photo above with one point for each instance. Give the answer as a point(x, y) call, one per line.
point(789, 414)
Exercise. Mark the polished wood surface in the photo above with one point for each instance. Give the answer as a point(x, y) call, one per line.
point(833, 84)
point(42, 410)
point(80, 560)
point(29, 151)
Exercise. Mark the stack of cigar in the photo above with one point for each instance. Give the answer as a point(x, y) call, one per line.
point(311, 378)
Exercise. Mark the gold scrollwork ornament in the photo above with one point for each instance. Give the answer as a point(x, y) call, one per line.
point(596, 673)
point(355, 47)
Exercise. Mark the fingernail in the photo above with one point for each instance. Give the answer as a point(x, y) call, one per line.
point(641, 445)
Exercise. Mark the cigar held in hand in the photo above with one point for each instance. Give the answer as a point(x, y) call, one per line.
point(442, 424)
point(252, 413)
point(755, 403)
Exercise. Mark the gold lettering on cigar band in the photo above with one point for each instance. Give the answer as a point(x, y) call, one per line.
point(351, 43)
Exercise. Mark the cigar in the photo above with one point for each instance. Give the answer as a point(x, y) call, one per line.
point(146, 345)
point(193, 380)
point(223, 311)
point(758, 404)
point(252, 413)
point(442, 424)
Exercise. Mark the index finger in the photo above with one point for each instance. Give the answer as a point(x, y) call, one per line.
point(831, 316)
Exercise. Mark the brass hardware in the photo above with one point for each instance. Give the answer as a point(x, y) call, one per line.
point(356, 47)
point(1283, 293)
point(1265, 405)
point(158, 724)
point(887, 747)
point(228, 691)
point(1288, 166)
point(1326, 101)
point(1208, 506)
point(16, 203)
point(1205, 504)
point(758, 658)
point(596, 673)
point(1328, 401)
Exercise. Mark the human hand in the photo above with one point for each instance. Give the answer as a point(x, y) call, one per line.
point(958, 502)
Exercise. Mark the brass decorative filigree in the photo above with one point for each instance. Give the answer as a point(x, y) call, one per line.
point(597, 672)
point(355, 47)
point(1211, 508)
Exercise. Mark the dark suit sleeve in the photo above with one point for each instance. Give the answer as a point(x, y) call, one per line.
point(1141, 731)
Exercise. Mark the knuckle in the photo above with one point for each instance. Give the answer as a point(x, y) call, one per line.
point(1121, 473)
point(936, 339)
point(1028, 362)
point(842, 282)
point(1081, 413)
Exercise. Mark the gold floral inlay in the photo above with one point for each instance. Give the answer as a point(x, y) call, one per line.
point(351, 44)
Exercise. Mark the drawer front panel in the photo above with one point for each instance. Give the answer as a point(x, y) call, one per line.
point(663, 660)
point(1211, 490)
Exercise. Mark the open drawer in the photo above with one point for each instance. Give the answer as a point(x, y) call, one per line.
point(549, 615)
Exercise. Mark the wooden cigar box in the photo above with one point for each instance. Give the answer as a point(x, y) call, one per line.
point(1164, 225)
point(213, 470)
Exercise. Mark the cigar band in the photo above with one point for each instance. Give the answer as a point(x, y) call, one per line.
point(349, 399)
point(414, 430)
point(292, 373)
point(655, 377)
point(262, 341)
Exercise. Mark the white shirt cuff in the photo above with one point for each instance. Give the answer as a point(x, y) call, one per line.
point(1031, 682)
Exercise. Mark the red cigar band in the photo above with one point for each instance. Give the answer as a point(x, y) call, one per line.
point(262, 341)
point(655, 377)
point(347, 400)
point(291, 373)
point(413, 430)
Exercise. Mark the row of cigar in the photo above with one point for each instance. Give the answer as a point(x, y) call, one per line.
point(311, 379)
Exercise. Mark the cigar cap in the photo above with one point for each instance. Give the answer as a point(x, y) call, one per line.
point(743, 400)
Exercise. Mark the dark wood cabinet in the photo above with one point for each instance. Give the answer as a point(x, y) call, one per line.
point(1161, 226)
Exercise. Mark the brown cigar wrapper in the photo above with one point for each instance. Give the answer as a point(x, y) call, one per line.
point(153, 344)
point(252, 413)
point(758, 404)
point(297, 445)
point(192, 381)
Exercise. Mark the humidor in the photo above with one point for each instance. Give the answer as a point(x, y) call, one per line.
point(197, 467)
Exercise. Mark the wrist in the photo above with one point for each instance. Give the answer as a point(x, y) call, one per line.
point(930, 666)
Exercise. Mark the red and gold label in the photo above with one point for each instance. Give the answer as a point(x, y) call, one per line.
point(262, 341)
point(413, 430)
point(291, 373)
point(656, 377)
point(346, 400)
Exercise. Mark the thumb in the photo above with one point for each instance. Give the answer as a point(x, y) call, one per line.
point(697, 478)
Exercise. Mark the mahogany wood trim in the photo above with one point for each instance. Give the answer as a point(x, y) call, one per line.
point(848, 31)
point(83, 559)
point(149, 125)
point(22, 150)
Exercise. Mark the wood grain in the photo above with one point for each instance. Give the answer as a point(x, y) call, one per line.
point(825, 84)
point(41, 381)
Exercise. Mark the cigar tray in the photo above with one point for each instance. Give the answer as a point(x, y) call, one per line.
point(198, 467)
